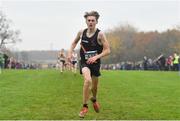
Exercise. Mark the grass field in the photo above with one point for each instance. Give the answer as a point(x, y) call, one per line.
point(47, 94)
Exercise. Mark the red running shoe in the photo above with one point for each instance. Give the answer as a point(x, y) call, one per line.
point(96, 106)
point(83, 112)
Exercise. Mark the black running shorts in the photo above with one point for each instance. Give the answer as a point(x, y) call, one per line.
point(94, 68)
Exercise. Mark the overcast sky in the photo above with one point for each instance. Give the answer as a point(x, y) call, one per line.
point(46, 25)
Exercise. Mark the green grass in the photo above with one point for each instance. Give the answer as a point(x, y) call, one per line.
point(47, 94)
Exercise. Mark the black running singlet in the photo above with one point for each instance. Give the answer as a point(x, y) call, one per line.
point(91, 46)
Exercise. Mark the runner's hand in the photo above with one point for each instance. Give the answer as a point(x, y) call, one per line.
point(92, 60)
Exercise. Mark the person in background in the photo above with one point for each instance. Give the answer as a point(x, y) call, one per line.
point(74, 61)
point(175, 61)
point(61, 60)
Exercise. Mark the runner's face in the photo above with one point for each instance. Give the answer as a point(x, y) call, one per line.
point(91, 22)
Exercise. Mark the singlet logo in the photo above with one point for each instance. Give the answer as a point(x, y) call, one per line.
point(85, 41)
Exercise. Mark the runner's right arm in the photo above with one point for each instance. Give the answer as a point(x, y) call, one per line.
point(74, 43)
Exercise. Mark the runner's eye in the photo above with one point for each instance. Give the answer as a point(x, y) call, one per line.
point(91, 20)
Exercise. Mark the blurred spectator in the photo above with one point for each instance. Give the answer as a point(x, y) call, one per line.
point(1, 60)
point(161, 62)
point(175, 62)
point(169, 63)
point(145, 63)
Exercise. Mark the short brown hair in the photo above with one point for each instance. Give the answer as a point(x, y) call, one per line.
point(92, 13)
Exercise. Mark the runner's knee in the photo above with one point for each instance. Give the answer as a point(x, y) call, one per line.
point(86, 74)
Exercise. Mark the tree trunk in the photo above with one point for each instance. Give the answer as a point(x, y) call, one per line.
point(2, 41)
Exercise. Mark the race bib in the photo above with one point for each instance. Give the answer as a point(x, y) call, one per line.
point(90, 54)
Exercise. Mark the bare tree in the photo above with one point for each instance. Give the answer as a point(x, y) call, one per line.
point(7, 35)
